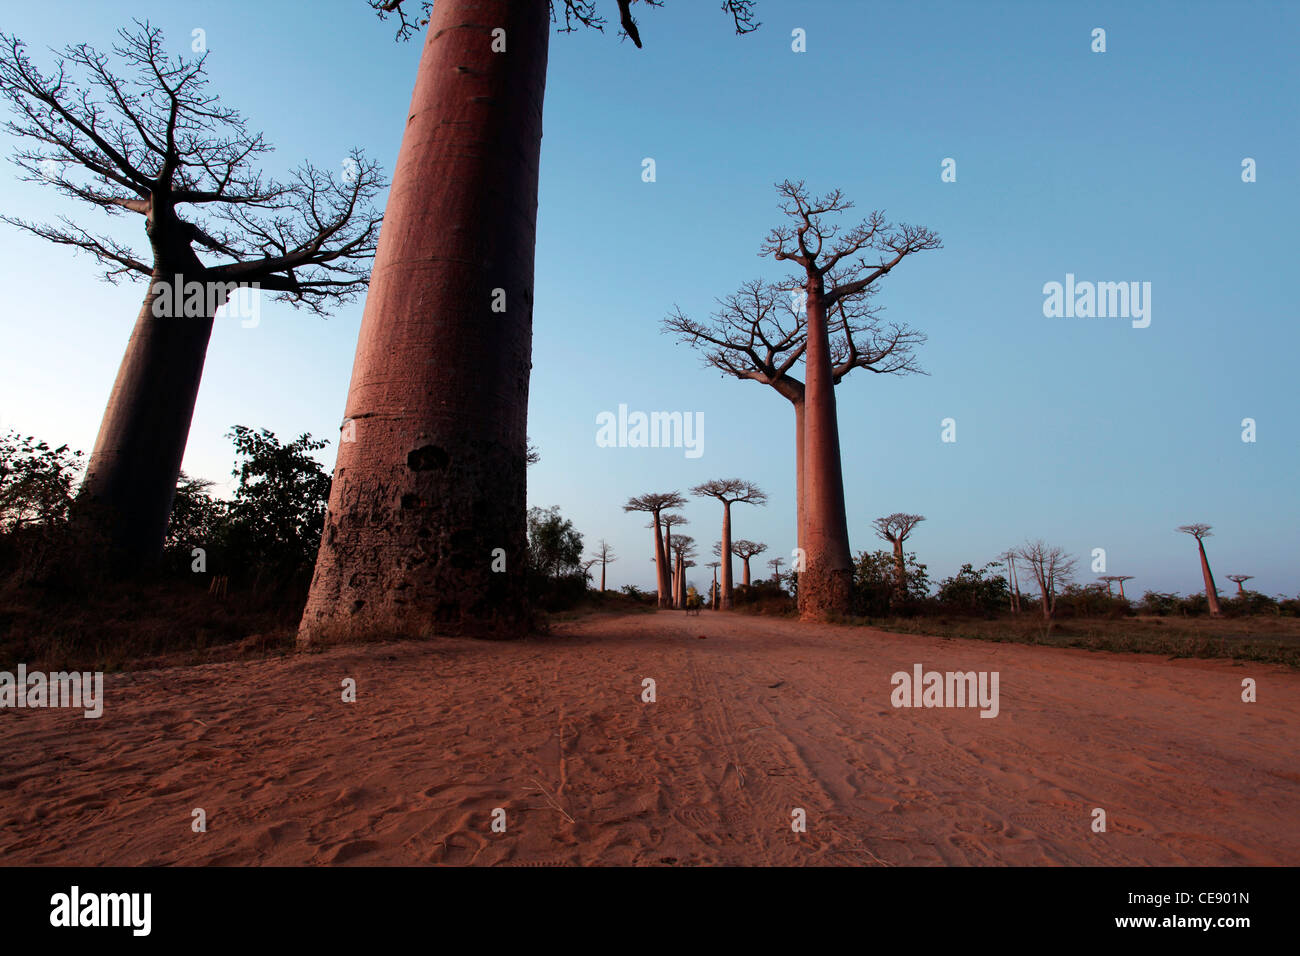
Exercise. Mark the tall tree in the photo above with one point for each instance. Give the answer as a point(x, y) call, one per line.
point(746, 549)
point(606, 556)
point(145, 136)
point(1052, 568)
point(655, 504)
point(432, 492)
point(1200, 532)
point(896, 529)
point(729, 491)
point(684, 550)
point(670, 521)
point(713, 592)
point(775, 565)
point(836, 267)
point(759, 334)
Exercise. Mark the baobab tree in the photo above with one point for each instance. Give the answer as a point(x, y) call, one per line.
point(440, 380)
point(655, 505)
point(775, 565)
point(1239, 580)
point(139, 132)
point(836, 268)
point(1051, 567)
point(895, 529)
point(1115, 579)
point(759, 334)
point(729, 491)
point(746, 549)
point(683, 547)
point(713, 592)
point(606, 556)
point(1200, 532)
point(669, 521)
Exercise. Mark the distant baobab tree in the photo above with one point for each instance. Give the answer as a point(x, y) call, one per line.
point(759, 334)
point(1200, 532)
point(775, 565)
point(745, 549)
point(440, 379)
point(605, 555)
point(713, 594)
point(895, 529)
point(836, 268)
point(153, 141)
point(729, 491)
point(655, 505)
point(1051, 567)
point(1113, 579)
point(1239, 580)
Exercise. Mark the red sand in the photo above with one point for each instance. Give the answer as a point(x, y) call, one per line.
point(760, 717)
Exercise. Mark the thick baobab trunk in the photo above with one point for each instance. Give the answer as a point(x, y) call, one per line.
point(681, 583)
point(824, 585)
point(746, 571)
point(1121, 592)
point(426, 526)
point(713, 594)
point(1211, 593)
point(728, 597)
point(798, 470)
point(602, 577)
point(130, 482)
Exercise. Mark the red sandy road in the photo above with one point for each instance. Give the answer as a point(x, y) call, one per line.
point(554, 731)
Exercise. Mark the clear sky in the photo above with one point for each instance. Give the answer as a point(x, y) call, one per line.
point(1115, 166)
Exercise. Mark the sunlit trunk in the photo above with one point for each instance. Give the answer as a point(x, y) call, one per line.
point(728, 597)
point(1211, 594)
point(824, 586)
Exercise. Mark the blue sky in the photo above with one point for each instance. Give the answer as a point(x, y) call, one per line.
point(1115, 166)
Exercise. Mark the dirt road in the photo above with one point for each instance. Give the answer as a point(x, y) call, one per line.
point(753, 720)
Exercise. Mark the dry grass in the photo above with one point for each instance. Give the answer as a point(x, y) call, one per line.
point(1259, 638)
point(133, 626)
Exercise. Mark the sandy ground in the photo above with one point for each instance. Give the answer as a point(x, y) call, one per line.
point(754, 718)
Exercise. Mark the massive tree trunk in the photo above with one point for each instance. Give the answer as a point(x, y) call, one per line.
point(431, 495)
point(602, 577)
point(1211, 593)
point(130, 482)
point(824, 585)
point(728, 600)
point(746, 572)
